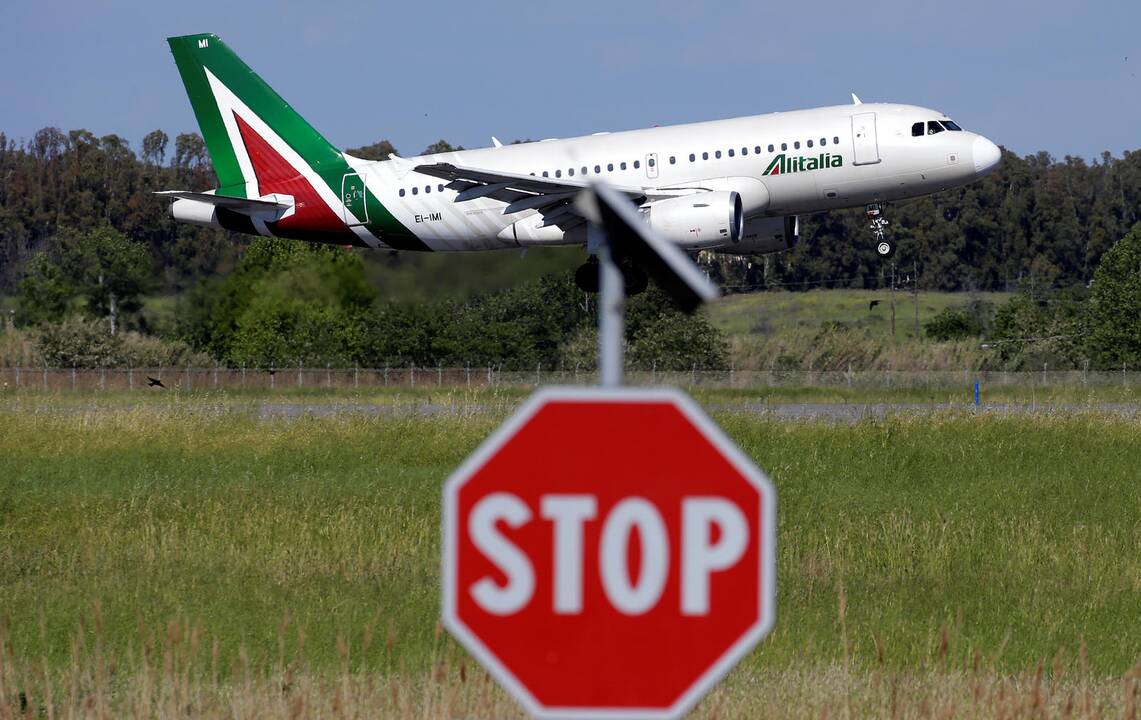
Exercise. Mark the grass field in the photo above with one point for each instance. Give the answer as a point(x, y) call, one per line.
point(772, 313)
point(168, 557)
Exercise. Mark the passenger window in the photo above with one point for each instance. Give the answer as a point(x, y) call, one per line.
point(583, 169)
point(622, 166)
point(692, 157)
point(415, 191)
point(609, 167)
point(401, 192)
point(745, 150)
point(757, 149)
point(637, 164)
point(440, 187)
point(597, 169)
point(933, 128)
point(809, 143)
point(796, 145)
point(427, 188)
point(704, 156)
point(836, 140)
point(651, 162)
point(717, 154)
point(770, 148)
point(784, 146)
point(823, 142)
point(731, 153)
point(673, 160)
point(558, 173)
point(917, 130)
point(545, 174)
point(570, 171)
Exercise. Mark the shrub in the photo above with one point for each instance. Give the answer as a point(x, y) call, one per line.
point(89, 344)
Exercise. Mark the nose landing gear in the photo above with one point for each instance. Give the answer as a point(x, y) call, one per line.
point(877, 223)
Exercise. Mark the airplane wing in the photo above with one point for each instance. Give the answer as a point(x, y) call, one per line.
point(551, 197)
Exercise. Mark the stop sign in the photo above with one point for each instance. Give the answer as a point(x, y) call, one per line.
point(608, 553)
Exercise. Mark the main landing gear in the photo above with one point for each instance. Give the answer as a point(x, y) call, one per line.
point(586, 277)
point(877, 223)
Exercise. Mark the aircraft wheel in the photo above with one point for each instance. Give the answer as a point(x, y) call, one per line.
point(586, 277)
point(885, 249)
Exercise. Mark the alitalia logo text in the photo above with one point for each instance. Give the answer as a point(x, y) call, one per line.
point(783, 164)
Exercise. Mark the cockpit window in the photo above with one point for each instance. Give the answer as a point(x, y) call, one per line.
point(950, 125)
point(917, 130)
point(934, 127)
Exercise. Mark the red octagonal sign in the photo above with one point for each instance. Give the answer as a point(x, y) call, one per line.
point(609, 553)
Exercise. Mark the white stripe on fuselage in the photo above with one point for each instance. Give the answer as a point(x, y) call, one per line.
point(229, 103)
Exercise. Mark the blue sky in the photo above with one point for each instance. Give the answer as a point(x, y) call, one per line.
point(1050, 75)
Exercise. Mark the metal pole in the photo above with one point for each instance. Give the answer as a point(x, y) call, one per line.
point(611, 308)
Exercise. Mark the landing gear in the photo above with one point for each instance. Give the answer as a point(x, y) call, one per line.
point(877, 223)
point(586, 277)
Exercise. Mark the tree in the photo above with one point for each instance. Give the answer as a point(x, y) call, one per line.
point(108, 270)
point(660, 335)
point(441, 146)
point(377, 151)
point(154, 147)
point(286, 302)
point(1115, 304)
point(44, 292)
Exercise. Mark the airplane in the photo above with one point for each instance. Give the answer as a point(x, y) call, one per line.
point(732, 186)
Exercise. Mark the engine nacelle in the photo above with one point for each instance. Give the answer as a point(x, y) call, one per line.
point(766, 235)
point(702, 221)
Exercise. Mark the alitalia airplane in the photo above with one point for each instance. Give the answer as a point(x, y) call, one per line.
point(729, 186)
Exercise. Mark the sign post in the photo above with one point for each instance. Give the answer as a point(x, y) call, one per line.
point(608, 552)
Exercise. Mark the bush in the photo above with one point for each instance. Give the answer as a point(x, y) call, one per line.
point(82, 343)
point(975, 319)
point(1115, 305)
point(951, 324)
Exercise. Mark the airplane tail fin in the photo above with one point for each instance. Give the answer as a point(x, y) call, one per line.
point(255, 139)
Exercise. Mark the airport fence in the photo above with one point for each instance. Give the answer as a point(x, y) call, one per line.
point(299, 378)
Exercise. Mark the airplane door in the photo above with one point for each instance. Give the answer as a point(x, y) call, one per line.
point(651, 165)
point(864, 142)
point(353, 197)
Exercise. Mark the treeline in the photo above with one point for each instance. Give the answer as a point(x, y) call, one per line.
point(75, 180)
point(290, 303)
point(1034, 221)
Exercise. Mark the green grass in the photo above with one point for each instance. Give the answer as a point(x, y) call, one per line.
point(1013, 537)
point(955, 389)
point(774, 313)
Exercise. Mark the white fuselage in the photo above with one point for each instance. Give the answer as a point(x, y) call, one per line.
point(853, 155)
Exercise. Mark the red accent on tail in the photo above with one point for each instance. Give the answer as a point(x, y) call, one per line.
point(275, 175)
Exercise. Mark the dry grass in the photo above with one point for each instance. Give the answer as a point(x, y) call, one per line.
point(176, 672)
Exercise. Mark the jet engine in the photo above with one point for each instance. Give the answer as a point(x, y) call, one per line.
point(766, 235)
point(704, 220)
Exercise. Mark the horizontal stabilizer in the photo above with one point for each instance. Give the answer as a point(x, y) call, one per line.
point(237, 204)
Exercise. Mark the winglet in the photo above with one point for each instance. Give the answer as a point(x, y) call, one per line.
point(495, 141)
point(856, 100)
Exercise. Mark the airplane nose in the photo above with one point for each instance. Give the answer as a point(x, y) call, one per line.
point(986, 155)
